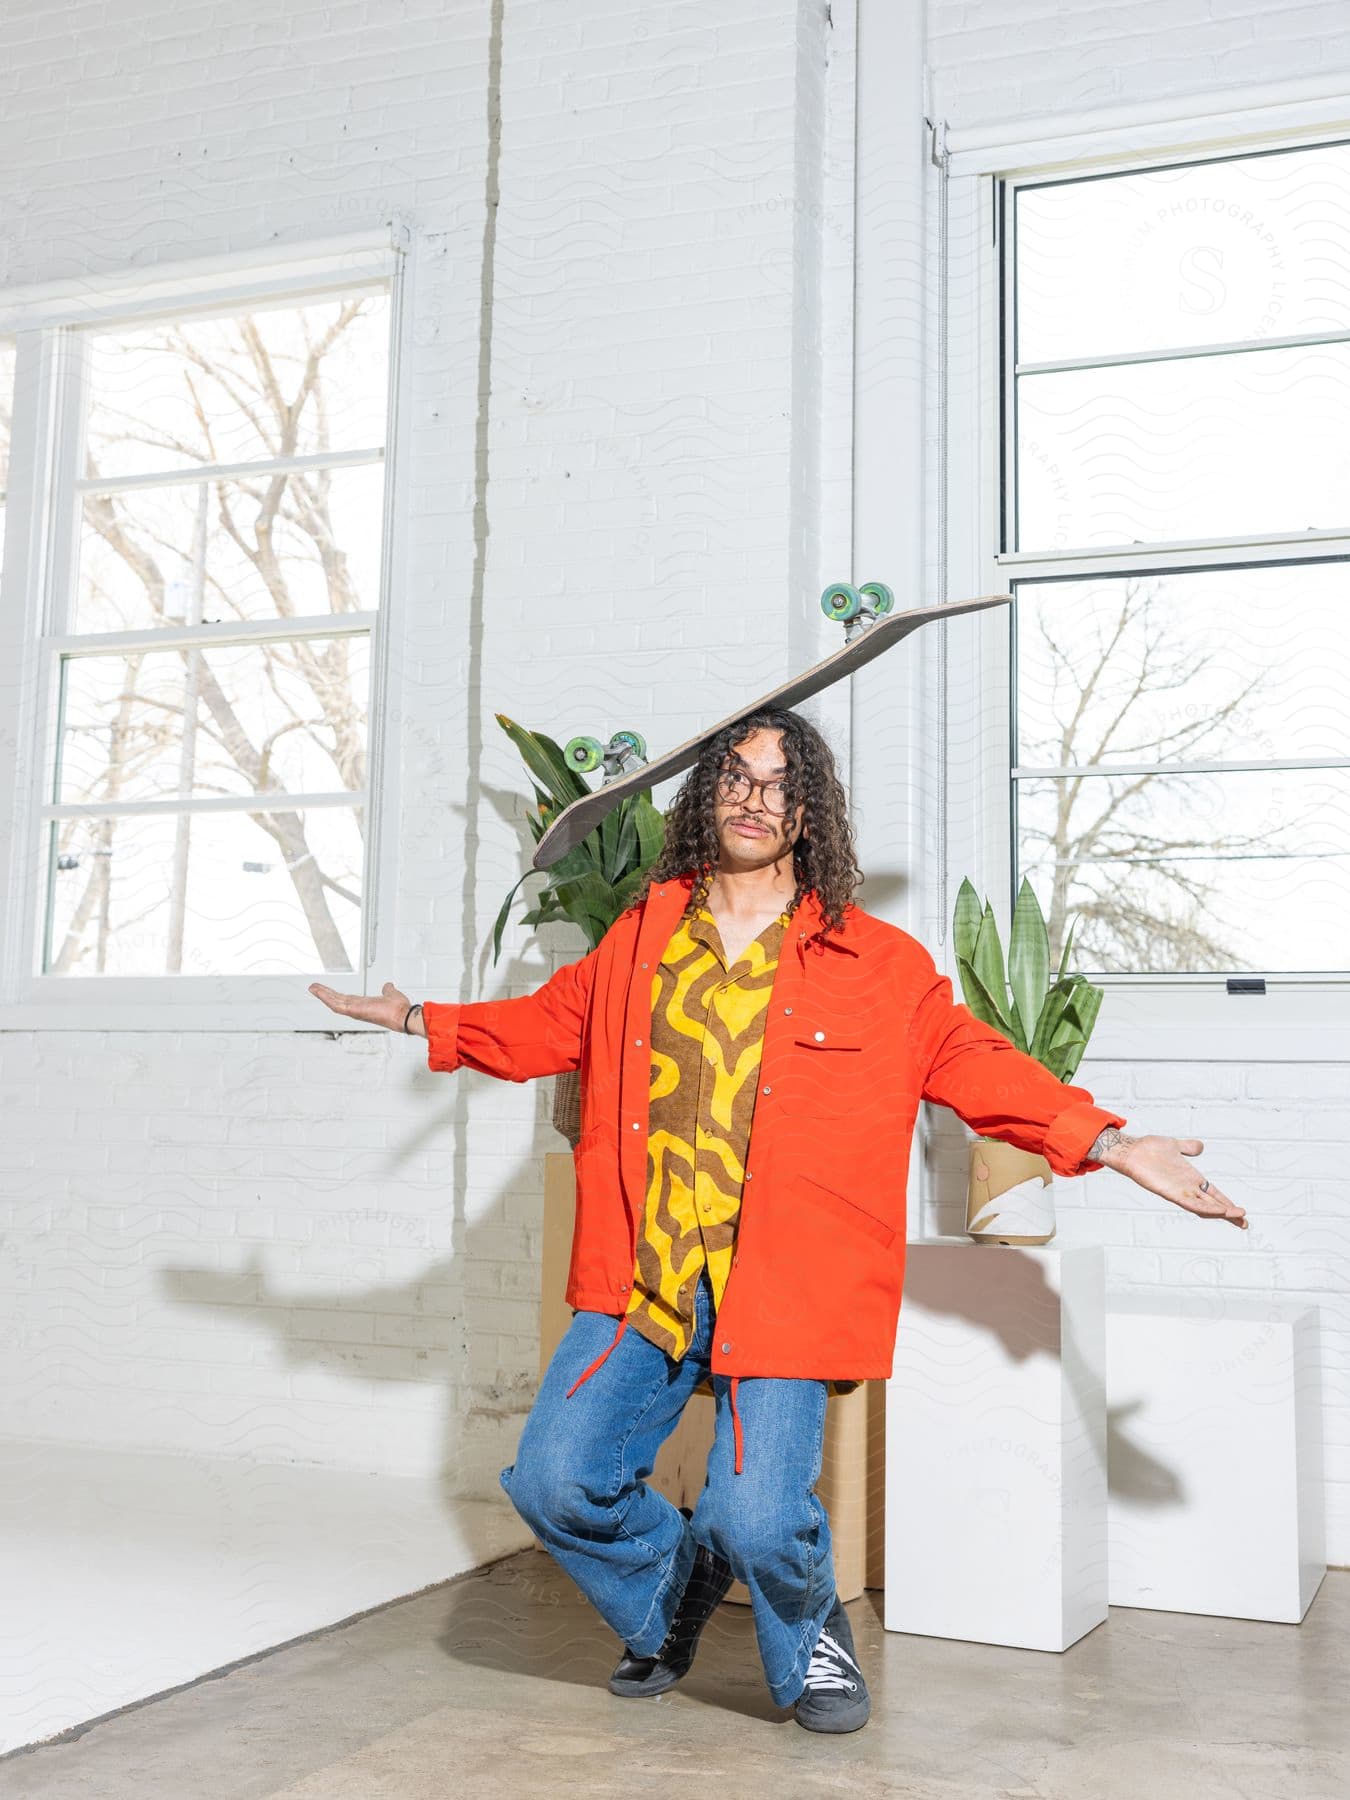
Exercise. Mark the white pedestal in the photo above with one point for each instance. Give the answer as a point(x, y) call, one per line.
point(1216, 1497)
point(996, 1445)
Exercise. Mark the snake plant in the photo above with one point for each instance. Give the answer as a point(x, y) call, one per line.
point(594, 882)
point(1049, 1020)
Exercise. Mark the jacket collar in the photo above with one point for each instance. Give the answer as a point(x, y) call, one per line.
point(666, 901)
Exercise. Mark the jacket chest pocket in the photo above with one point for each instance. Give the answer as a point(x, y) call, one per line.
point(830, 1071)
point(828, 1038)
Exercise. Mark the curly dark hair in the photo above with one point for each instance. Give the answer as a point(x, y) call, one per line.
point(823, 860)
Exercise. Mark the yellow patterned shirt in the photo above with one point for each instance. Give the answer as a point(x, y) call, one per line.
point(707, 1039)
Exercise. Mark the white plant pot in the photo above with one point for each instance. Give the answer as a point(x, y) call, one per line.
point(1010, 1196)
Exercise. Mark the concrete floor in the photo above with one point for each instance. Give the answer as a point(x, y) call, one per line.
point(493, 1684)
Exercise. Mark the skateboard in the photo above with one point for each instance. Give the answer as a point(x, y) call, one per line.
point(871, 627)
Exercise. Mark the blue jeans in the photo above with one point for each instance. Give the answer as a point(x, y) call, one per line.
point(578, 1482)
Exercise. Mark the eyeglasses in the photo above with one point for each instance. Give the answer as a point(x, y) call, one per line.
point(734, 786)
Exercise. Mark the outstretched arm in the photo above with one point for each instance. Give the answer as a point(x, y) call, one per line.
point(515, 1040)
point(1003, 1093)
point(999, 1090)
point(1159, 1164)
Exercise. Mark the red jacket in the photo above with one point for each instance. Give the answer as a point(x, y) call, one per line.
point(861, 1027)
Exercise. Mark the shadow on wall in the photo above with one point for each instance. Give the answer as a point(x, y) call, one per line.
point(1134, 1473)
point(334, 1304)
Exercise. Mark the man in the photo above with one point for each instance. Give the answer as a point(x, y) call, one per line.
point(753, 1049)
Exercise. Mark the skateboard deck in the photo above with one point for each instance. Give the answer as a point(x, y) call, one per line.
point(583, 815)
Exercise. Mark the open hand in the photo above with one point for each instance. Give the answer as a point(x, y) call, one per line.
point(1159, 1164)
point(388, 1008)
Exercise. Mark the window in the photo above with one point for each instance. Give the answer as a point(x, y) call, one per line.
point(210, 579)
point(1176, 533)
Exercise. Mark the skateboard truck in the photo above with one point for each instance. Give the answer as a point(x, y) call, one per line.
point(625, 752)
point(856, 608)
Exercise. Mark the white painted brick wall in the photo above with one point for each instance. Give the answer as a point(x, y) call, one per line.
point(306, 1247)
point(1024, 59)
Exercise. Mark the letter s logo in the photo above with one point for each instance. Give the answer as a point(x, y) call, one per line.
point(1203, 287)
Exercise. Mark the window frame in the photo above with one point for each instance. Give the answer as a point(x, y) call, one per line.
point(42, 531)
point(1178, 1017)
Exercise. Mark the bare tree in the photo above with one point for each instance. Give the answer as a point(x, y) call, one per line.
point(1100, 682)
point(256, 385)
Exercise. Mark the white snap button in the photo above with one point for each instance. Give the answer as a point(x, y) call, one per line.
point(636, 1126)
point(725, 1348)
point(749, 1174)
point(787, 1009)
point(820, 1037)
point(644, 965)
point(637, 1043)
point(768, 1090)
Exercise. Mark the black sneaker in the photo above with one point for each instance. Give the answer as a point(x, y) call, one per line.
point(643, 1675)
point(835, 1697)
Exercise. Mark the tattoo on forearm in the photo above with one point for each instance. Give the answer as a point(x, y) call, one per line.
point(1107, 1140)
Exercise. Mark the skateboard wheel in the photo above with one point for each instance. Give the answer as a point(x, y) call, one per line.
point(841, 601)
point(881, 597)
point(635, 742)
point(583, 754)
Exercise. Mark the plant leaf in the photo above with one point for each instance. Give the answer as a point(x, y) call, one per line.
point(1028, 958)
point(966, 921)
point(1068, 942)
point(598, 877)
point(1063, 1059)
point(545, 913)
point(625, 890)
point(588, 902)
point(626, 848)
point(607, 843)
point(651, 830)
point(1051, 1018)
point(505, 909)
point(545, 761)
point(988, 958)
point(984, 1006)
point(578, 863)
point(1086, 1004)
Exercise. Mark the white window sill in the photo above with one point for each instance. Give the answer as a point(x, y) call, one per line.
point(251, 1003)
point(1190, 1019)
point(1194, 1019)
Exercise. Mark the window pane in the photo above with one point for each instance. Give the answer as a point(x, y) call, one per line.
point(286, 715)
point(283, 381)
point(1224, 665)
point(261, 548)
point(1192, 873)
point(1218, 447)
point(1216, 253)
point(206, 893)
